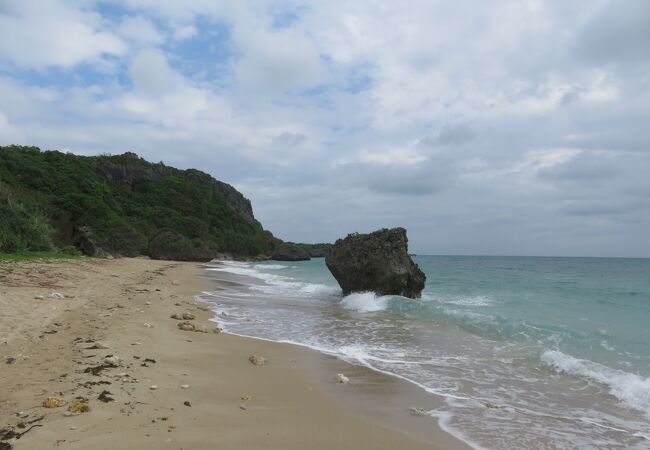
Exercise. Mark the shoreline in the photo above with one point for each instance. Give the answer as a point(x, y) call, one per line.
point(293, 401)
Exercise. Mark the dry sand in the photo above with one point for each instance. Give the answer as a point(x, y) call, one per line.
point(207, 393)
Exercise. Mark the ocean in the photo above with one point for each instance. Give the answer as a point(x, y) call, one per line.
point(527, 352)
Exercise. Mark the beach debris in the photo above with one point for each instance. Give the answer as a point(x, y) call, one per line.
point(10, 360)
point(97, 370)
point(147, 303)
point(185, 386)
point(342, 378)
point(38, 297)
point(98, 345)
point(247, 397)
point(53, 402)
point(147, 325)
point(188, 316)
point(257, 360)
point(78, 406)
point(136, 343)
point(217, 330)
point(243, 407)
point(112, 360)
point(187, 403)
point(153, 387)
point(105, 397)
point(176, 316)
point(57, 295)
point(417, 411)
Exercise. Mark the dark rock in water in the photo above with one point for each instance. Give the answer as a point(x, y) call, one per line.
point(377, 262)
point(172, 246)
point(289, 252)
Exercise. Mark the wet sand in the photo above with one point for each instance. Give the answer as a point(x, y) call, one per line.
point(172, 388)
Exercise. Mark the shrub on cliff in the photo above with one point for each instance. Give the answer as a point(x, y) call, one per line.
point(124, 200)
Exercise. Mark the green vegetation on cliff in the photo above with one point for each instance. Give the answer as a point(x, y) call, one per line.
point(52, 199)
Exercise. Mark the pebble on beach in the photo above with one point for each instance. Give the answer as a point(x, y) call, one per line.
point(53, 402)
point(342, 378)
point(257, 360)
point(417, 411)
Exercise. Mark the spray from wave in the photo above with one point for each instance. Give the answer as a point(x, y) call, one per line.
point(365, 302)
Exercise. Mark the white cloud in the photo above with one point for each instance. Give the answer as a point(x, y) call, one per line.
point(151, 74)
point(277, 60)
point(139, 30)
point(41, 34)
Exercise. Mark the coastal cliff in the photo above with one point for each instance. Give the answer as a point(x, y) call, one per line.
point(118, 204)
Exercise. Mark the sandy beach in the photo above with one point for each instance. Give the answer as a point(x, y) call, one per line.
point(98, 334)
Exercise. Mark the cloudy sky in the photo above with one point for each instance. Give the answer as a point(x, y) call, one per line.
point(498, 127)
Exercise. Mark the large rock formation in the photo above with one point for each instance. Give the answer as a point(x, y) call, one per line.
point(377, 262)
point(172, 246)
point(289, 252)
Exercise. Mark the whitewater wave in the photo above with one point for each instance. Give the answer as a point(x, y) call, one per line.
point(275, 284)
point(631, 389)
point(365, 302)
point(269, 267)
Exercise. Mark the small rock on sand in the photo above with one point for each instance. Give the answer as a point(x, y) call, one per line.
point(99, 345)
point(111, 360)
point(147, 325)
point(188, 316)
point(257, 360)
point(243, 407)
point(174, 283)
point(38, 297)
point(53, 402)
point(153, 387)
point(216, 330)
point(176, 316)
point(187, 403)
point(417, 411)
point(189, 326)
point(342, 378)
point(78, 406)
point(247, 397)
point(57, 295)
point(185, 386)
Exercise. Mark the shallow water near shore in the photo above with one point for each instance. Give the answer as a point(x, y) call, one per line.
point(527, 352)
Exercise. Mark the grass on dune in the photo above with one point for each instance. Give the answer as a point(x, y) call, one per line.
point(26, 256)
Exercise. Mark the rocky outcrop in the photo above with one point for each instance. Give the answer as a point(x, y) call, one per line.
point(171, 246)
point(319, 251)
point(129, 168)
point(84, 240)
point(289, 252)
point(377, 262)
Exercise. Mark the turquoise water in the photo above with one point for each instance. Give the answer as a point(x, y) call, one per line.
point(528, 352)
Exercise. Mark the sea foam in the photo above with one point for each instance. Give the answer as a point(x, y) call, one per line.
point(631, 389)
point(365, 302)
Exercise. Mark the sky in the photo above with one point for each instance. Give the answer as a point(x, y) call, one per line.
point(499, 127)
